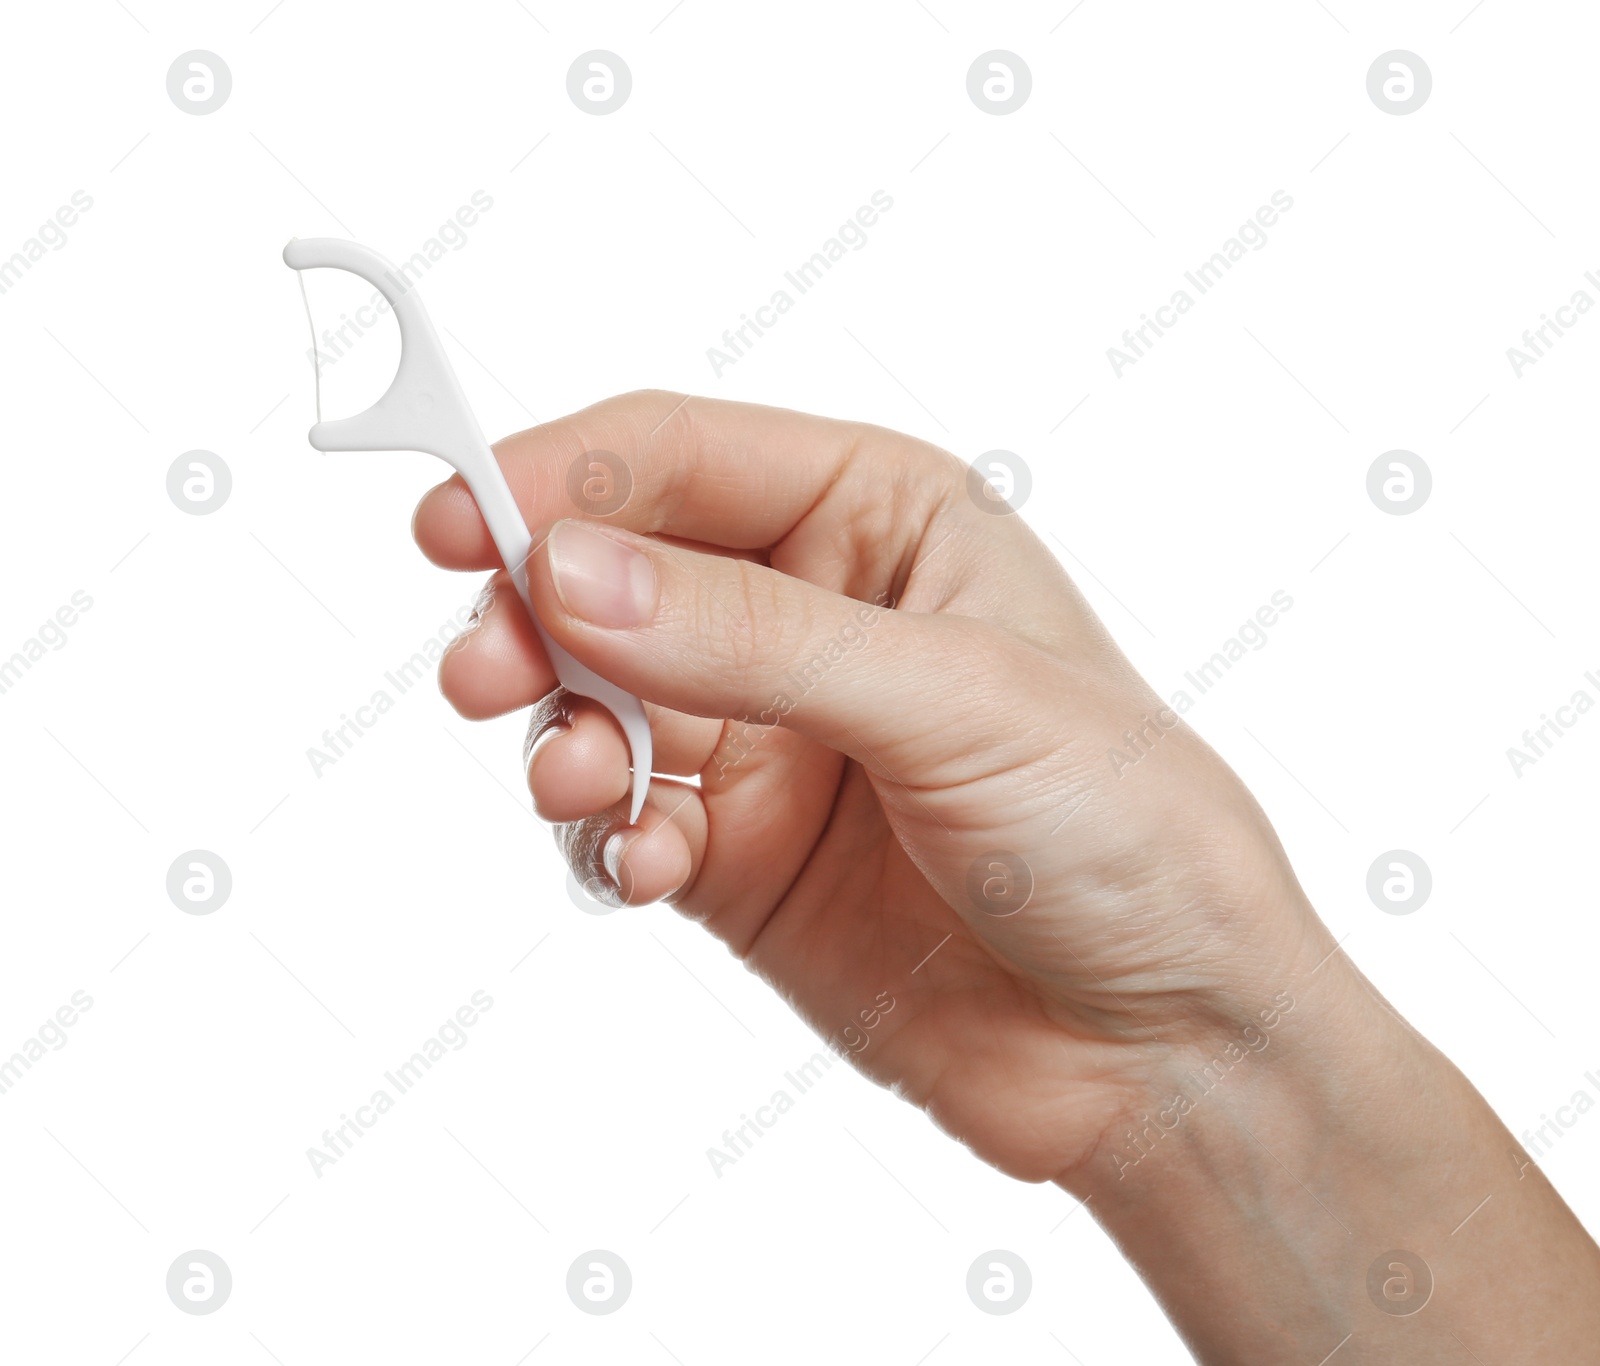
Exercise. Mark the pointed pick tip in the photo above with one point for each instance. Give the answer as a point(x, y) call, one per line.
point(641, 786)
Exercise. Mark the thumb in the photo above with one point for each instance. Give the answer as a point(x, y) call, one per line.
point(711, 635)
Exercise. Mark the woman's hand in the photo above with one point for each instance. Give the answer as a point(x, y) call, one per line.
point(941, 814)
point(902, 716)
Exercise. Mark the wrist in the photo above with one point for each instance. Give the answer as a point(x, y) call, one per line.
point(1340, 1178)
point(1303, 1062)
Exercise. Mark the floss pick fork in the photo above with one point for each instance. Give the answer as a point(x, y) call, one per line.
point(424, 409)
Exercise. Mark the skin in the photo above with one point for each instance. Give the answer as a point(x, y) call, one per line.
point(1130, 997)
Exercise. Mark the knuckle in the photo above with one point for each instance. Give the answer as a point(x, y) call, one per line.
point(644, 398)
point(752, 624)
point(997, 672)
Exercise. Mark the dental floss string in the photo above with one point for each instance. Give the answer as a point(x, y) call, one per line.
point(316, 360)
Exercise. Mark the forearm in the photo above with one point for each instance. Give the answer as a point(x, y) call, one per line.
point(1264, 1213)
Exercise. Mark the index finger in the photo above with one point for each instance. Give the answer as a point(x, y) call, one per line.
point(732, 475)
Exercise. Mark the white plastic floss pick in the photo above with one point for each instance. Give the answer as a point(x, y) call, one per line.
point(424, 409)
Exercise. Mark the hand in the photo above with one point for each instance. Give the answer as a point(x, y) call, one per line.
point(908, 820)
point(933, 821)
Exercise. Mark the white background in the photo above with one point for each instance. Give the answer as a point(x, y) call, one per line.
point(372, 901)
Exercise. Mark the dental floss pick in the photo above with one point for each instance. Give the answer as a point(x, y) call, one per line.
point(424, 409)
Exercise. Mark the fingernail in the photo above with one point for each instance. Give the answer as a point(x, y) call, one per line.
point(611, 855)
point(480, 609)
point(599, 578)
point(483, 602)
point(535, 740)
